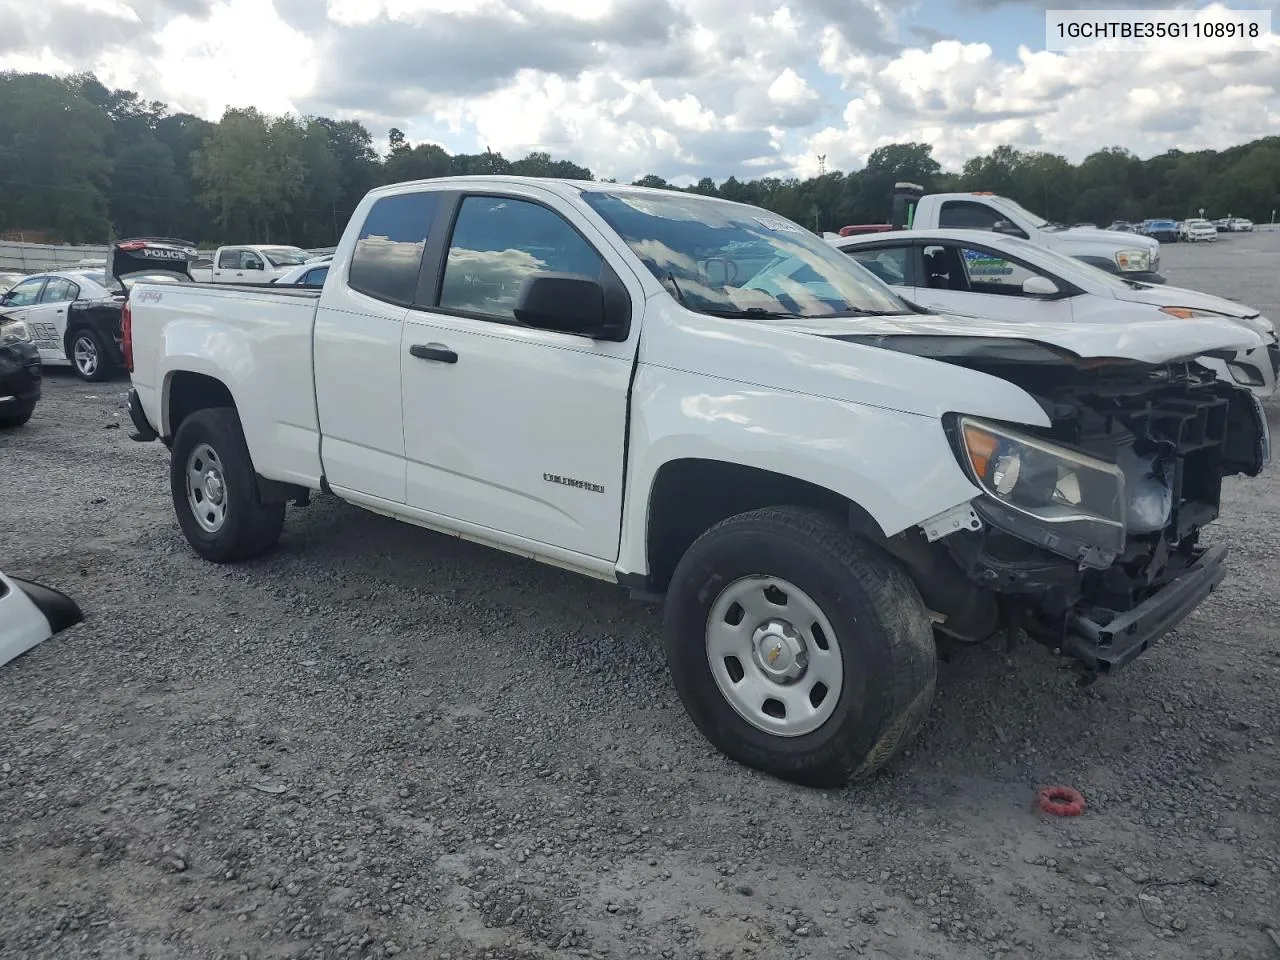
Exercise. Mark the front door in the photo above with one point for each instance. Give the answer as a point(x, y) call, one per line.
point(983, 282)
point(18, 303)
point(49, 317)
point(508, 427)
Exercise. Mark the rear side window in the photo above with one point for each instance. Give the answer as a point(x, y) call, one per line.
point(58, 290)
point(229, 260)
point(389, 249)
point(315, 278)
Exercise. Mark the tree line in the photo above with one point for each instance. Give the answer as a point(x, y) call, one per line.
point(80, 163)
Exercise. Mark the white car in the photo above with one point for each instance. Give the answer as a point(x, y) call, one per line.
point(43, 300)
point(982, 274)
point(1195, 230)
point(31, 613)
point(1239, 225)
point(309, 274)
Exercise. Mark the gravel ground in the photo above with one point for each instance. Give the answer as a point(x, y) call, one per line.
point(383, 741)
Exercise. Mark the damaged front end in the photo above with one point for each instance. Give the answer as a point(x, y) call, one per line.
point(1087, 533)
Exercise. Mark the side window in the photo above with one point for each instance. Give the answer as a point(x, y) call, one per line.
point(967, 215)
point(315, 278)
point(24, 294)
point(389, 249)
point(887, 263)
point(229, 260)
point(991, 273)
point(250, 261)
point(496, 243)
point(58, 290)
point(944, 268)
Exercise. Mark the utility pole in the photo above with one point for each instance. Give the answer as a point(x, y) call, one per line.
point(822, 164)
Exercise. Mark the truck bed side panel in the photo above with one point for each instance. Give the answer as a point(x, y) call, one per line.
point(257, 343)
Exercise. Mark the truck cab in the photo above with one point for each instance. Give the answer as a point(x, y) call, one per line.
point(255, 263)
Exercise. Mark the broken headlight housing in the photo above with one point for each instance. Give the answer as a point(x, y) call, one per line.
point(1065, 501)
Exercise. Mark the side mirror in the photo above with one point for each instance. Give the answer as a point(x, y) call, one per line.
point(1039, 287)
point(1009, 228)
point(253, 265)
point(571, 303)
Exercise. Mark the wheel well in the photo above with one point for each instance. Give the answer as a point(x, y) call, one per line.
point(189, 392)
point(691, 496)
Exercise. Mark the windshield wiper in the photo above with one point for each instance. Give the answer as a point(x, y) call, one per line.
point(748, 313)
point(864, 313)
point(676, 287)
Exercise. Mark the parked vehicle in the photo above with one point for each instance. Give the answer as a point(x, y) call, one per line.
point(20, 373)
point(201, 269)
point(74, 315)
point(1239, 225)
point(1195, 230)
point(1123, 226)
point(1133, 256)
point(705, 403)
point(1161, 230)
point(255, 263)
point(974, 273)
point(31, 613)
point(309, 274)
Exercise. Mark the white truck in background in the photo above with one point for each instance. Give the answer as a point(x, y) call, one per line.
point(249, 263)
point(1130, 255)
point(707, 404)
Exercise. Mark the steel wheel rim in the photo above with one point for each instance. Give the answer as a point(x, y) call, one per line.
point(86, 356)
point(774, 656)
point(206, 488)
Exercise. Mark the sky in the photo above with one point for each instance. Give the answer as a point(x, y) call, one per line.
point(679, 88)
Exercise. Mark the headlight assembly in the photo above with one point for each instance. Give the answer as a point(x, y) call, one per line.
point(1131, 261)
point(14, 331)
point(1067, 502)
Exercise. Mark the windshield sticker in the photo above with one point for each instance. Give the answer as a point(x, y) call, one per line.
point(780, 226)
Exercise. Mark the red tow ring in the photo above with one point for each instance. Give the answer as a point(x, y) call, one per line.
point(1060, 801)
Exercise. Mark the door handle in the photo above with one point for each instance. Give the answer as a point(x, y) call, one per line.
point(433, 351)
point(59, 310)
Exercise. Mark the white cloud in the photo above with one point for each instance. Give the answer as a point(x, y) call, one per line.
point(676, 87)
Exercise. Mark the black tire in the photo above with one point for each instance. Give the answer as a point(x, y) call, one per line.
point(249, 528)
point(18, 419)
point(882, 627)
point(102, 369)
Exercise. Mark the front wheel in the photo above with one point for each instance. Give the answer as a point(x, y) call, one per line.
point(88, 356)
point(17, 418)
point(215, 489)
point(798, 648)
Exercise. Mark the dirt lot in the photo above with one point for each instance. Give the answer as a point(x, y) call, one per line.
point(382, 741)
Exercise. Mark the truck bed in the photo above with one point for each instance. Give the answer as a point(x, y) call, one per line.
point(259, 335)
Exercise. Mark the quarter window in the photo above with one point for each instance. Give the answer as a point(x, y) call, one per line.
point(499, 241)
point(388, 252)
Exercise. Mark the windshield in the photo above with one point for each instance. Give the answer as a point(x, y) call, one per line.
point(736, 260)
point(1038, 222)
point(285, 256)
point(1050, 258)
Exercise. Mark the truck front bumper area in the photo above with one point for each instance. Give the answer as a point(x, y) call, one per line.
point(1103, 640)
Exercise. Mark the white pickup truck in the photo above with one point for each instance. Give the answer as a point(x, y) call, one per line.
point(1131, 255)
point(250, 263)
point(711, 406)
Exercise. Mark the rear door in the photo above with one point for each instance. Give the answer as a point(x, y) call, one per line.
point(510, 428)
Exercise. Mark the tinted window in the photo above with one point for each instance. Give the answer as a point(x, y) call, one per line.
point(497, 242)
point(58, 290)
point(315, 278)
point(887, 263)
point(965, 215)
point(24, 294)
point(250, 260)
point(229, 260)
point(389, 249)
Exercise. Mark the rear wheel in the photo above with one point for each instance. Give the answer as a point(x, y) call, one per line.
point(797, 648)
point(88, 356)
point(215, 489)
